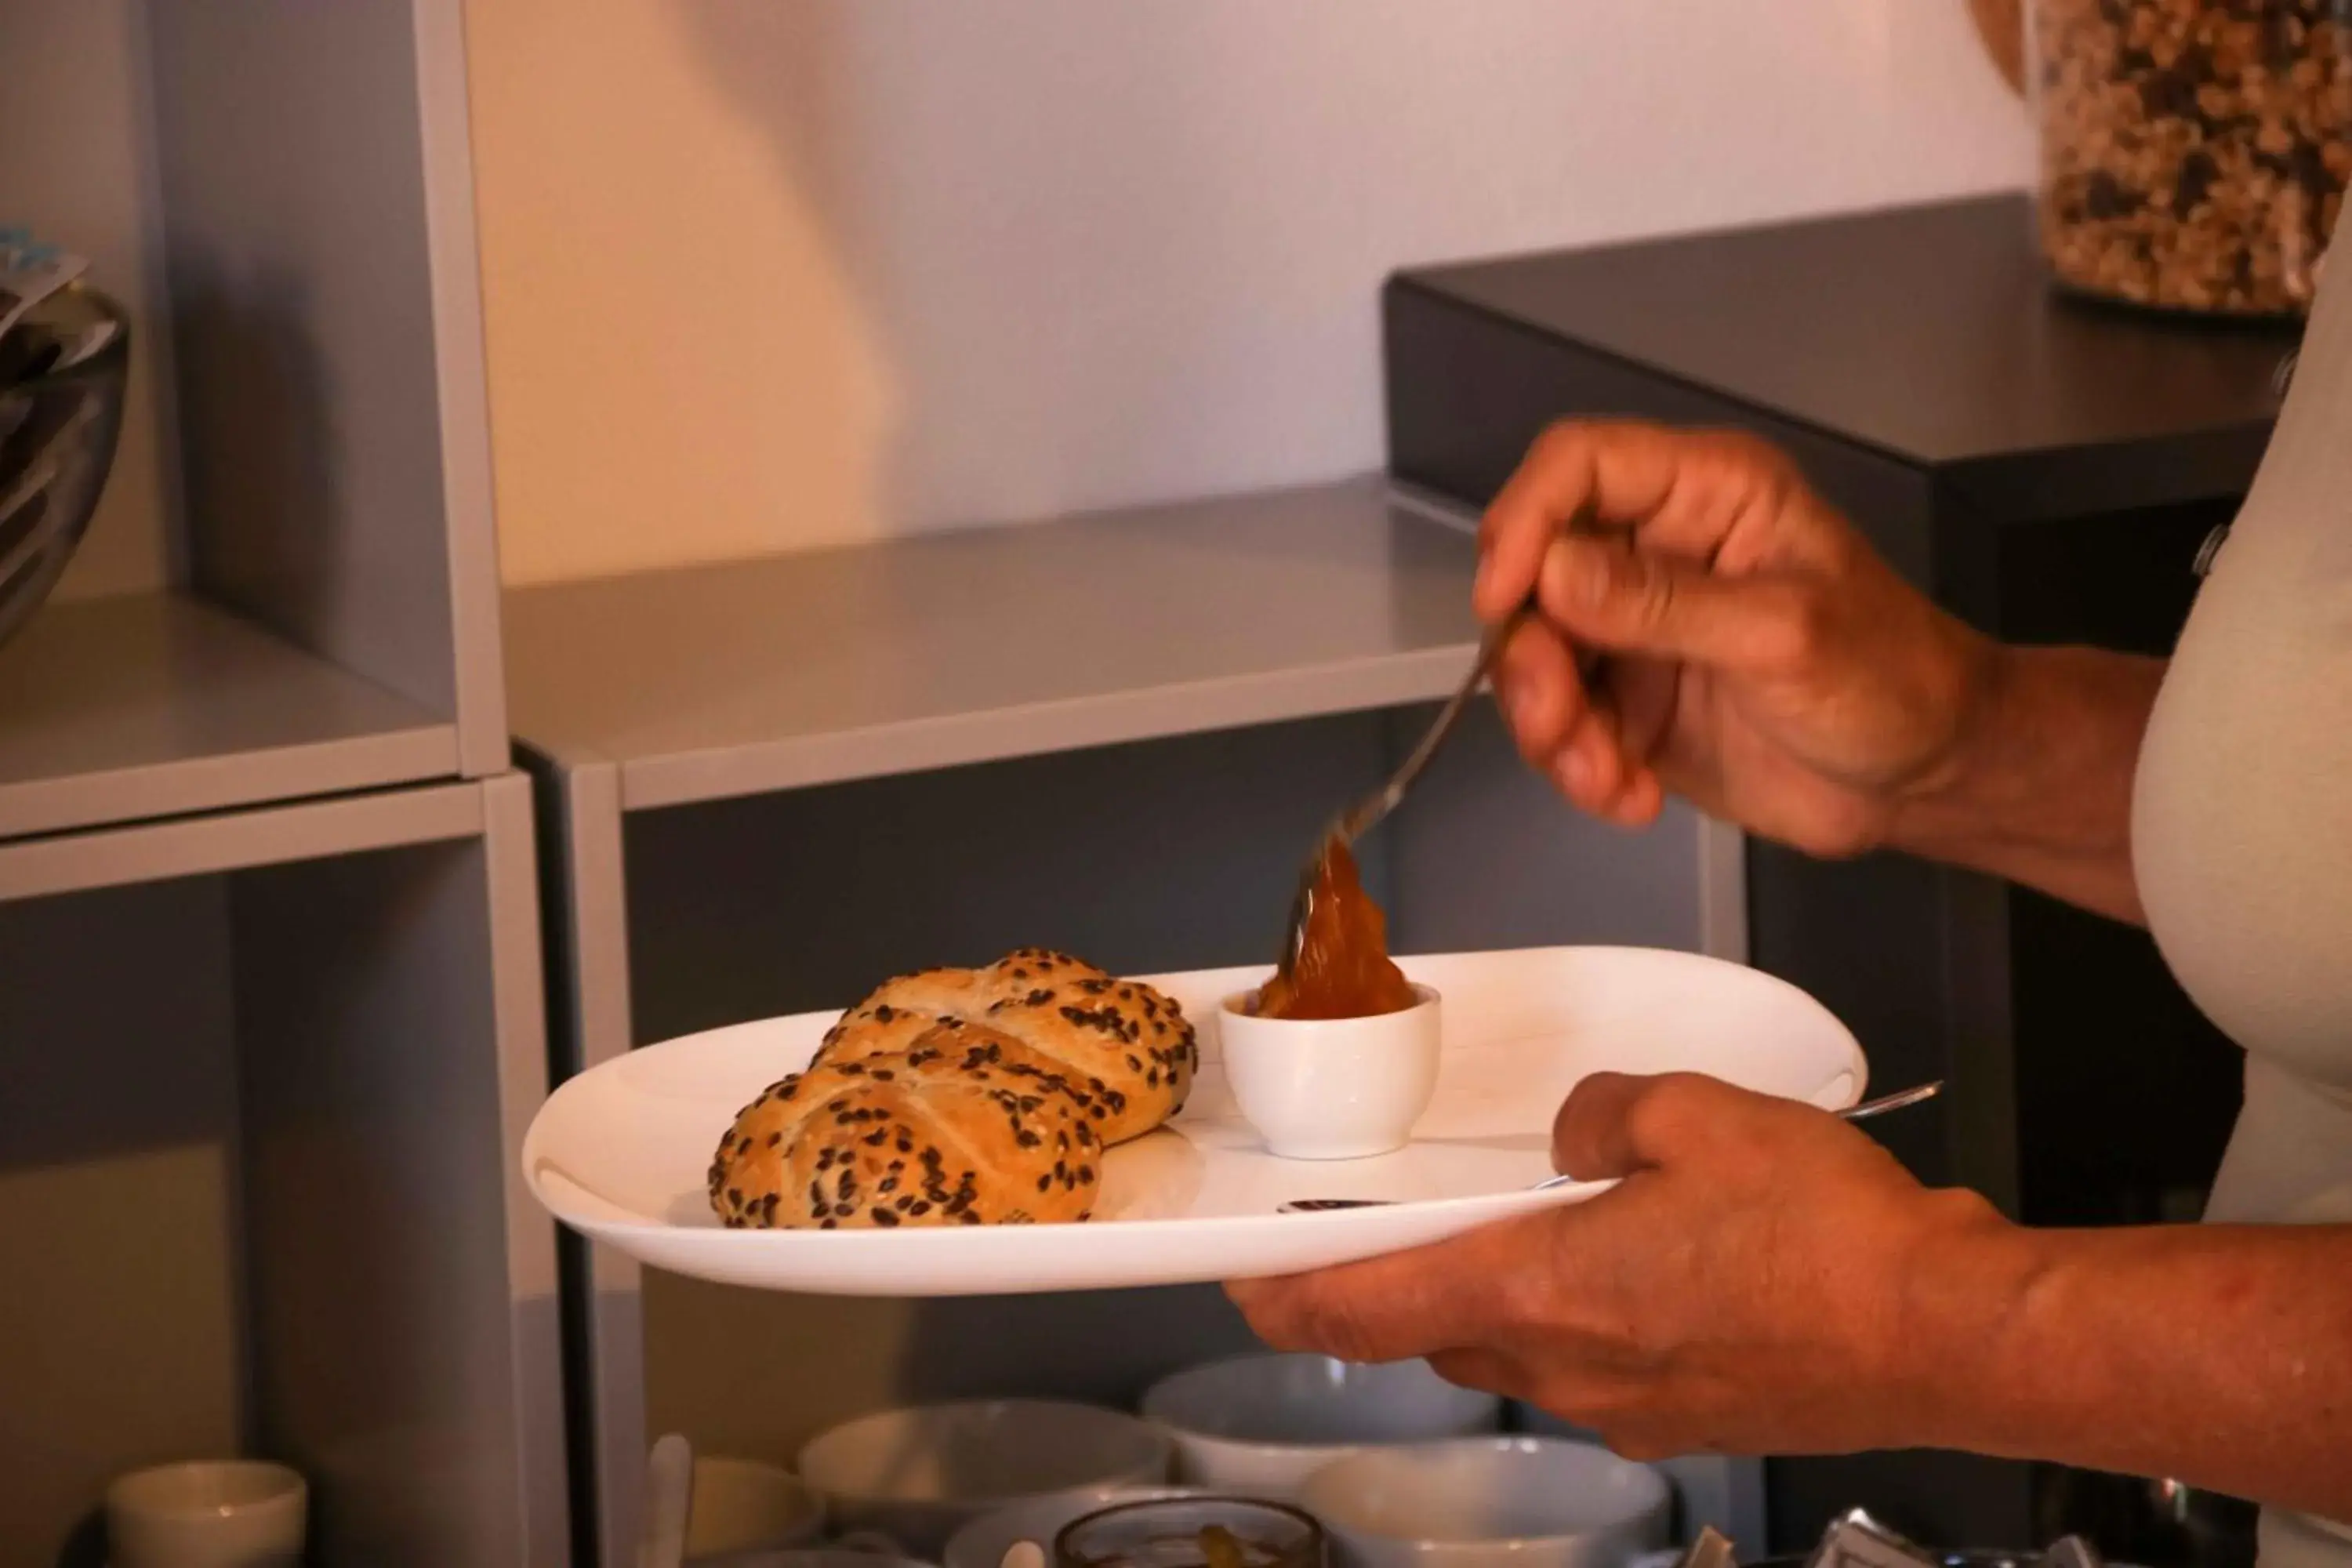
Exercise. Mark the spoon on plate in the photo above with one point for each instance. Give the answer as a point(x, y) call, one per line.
point(1862, 1112)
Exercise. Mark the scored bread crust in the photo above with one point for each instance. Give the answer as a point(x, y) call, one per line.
point(1124, 1043)
point(959, 1129)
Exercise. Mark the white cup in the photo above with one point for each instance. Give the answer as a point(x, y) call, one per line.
point(211, 1513)
point(1331, 1089)
point(745, 1505)
point(1257, 1425)
point(1490, 1502)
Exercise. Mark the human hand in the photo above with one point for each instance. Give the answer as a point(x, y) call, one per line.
point(1758, 656)
point(1743, 1289)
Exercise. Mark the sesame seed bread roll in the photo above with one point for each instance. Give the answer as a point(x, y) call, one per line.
point(949, 1132)
point(1124, 1043)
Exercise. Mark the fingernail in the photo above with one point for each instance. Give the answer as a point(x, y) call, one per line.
point(1483, 584)
point(1575, 772)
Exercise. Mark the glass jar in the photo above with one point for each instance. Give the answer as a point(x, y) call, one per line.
point(1193, 1533)
point(2194, 152)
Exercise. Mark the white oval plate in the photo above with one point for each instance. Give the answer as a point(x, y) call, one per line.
point(619, 1152)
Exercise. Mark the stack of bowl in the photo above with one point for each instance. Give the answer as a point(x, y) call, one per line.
point(1391, 1466)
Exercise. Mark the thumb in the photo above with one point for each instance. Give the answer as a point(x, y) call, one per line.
point(1615, 1124)
point(1608, 593)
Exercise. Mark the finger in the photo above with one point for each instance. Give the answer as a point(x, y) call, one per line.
point(1611, 595)
point(1726, 481)
point(1600, 772)
point(1387, 1309)
point(1588, 764)
point(1536, 685)
point(1634, 800)
point(1616, 1124)
point(1619, 474)
point(1483, 1370)
point(1647, 695)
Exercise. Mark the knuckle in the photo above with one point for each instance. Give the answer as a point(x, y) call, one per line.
point(1563, 440)
point(1333, 1329)
point(1649, 591)
point(1762, 459)
point(1662, 1112)
point(1279, 1316)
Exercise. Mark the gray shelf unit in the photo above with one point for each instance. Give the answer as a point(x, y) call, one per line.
point(267, 1074)
point(331, 618)
point(766, 784)
point(272, 1015)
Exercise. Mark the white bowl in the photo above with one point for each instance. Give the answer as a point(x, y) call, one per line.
point(1486, 1502)
point(747, 1505)
point(1258, 1425)
point(1331, 1089)
point(920, 1474)
point(211, 1513)
point(983, 1542)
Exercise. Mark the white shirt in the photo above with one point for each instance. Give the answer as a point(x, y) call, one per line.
point(2241, 826)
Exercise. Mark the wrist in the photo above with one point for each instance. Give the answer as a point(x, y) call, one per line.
point(1957, 798)
point(1959, 1327)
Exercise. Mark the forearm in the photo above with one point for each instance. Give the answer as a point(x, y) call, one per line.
point(2219, 1356)
point(2039, 789)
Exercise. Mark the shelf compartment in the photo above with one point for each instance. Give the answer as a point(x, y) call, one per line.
point(267, 1074)
point(299, 536)
point(115, 710)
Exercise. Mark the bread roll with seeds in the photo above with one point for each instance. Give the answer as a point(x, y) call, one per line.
point(1122, 1041)
point(951, 1131)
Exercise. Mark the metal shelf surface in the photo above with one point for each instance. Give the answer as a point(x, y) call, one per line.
point(147, 706)
point(946, 649)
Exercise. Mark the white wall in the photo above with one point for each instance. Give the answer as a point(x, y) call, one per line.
point(763, 274)
point(769, 273)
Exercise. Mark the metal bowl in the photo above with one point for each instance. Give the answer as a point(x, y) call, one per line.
point(59, 426)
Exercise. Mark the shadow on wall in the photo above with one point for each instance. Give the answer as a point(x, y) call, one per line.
point(680, 368)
